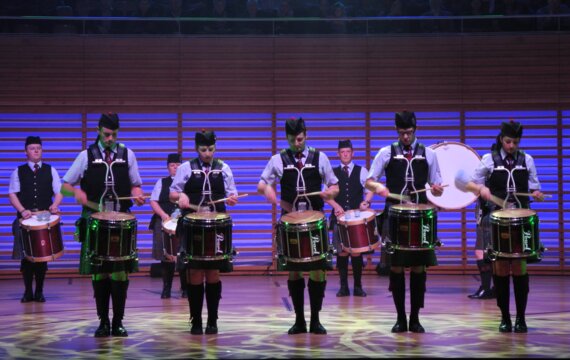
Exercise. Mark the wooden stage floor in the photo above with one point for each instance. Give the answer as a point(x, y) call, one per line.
point(255, 314)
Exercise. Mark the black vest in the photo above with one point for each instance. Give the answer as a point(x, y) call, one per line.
point(36, 190)
point(351, 190)
point(194, 185)
point(396, 173)
point(93, 181)
point(163, 201)
point(498, 179)
point(313, 179)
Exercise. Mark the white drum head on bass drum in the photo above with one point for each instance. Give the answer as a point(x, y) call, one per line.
point(452, 158)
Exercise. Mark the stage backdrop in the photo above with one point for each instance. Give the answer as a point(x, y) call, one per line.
point(462, 86)
point(247, 140)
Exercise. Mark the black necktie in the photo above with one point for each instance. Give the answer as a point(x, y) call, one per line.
point(345, 169)
point(299, 157)
point(36, 169)
point(408, 150)
point(509, 160)
point(108, 158)
point(206, 168)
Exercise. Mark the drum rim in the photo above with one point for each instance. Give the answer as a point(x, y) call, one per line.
point(55, 256)
point(434, 199)
point(45, 225)
point(358, 221)
point(97, 216)
point(401, 208)
point(494, 214)
point(192, 216)
point(320, 213)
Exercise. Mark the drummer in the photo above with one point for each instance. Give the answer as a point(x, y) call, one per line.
point(389, 161)
point(187, 189)
point(298, 154)
point(32, 188)
point(163, 209)
point(110, 280)
point(352, 178)
point(505, 154)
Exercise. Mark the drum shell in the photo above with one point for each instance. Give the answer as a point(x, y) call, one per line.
point(413, 228)
point(42, 243)
point(170, 241)
point(303, 246)
point(112, 239)
point(358, 234)
point(514, 236)
point(207, 242)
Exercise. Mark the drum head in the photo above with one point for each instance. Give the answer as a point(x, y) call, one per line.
point(207, 216)
point(112, 216)
point(412, 207)
point(355, 217)
point(513, 213)
point(302, 217)
point(453, 157)
point(34, 224)
point(170, 225)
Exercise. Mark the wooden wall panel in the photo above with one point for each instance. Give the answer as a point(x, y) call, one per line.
point(511, 69)
point(414, 71)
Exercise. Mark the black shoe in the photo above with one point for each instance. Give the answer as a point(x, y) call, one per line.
point(416, 327)
point(520, 325)
point(317, 328)
point(400, 326)
point(211, 328)
point(27, 298)
point(165, 294)
point(343, 291)
point(118, 329)
point(298, 328)
point(104, 328)
point(476, 294)
point(196, 329)
point(506, 326)
point(483, 294)
point(39, 297)
point(359, 292)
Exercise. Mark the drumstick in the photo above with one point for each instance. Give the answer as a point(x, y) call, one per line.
point(92, 205)
point(132, 197)
point(224, 199)
point(312, 193)
point(529, 195)
point(497, 201)
point(426, 189)
point(399, 197)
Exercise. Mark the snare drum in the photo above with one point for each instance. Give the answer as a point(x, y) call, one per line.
point(207, 237)
point(41, 240)
point(303, 241)
point(112, 236)
point(357, 231)
point(170, 241)
point(514, 233)
point(413, 226)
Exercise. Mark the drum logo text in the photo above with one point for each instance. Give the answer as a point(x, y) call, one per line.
point(426, 229)
point(314, 241)
point(526, 236)
point(219, 240)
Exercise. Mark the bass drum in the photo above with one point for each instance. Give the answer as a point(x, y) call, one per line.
point(452, 158)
